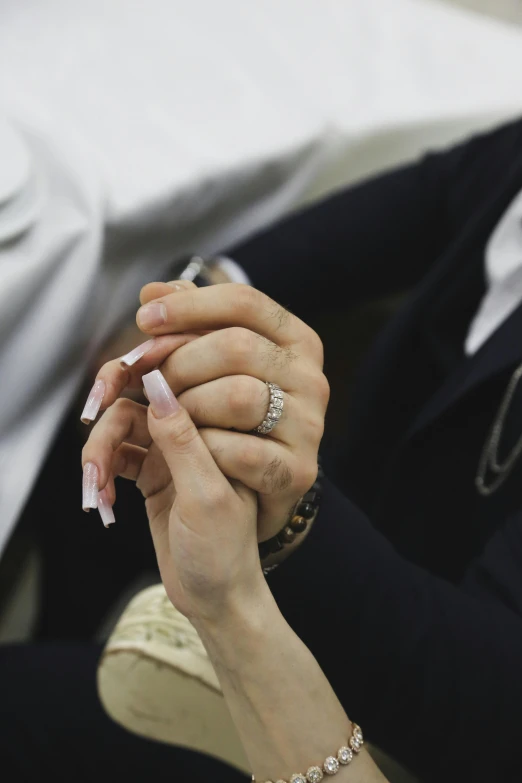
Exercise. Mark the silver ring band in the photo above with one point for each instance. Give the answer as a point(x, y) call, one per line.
point(275, 409)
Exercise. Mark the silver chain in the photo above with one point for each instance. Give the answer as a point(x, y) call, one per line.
point(489, 460)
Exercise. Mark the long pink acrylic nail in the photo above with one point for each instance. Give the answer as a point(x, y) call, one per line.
point(105, 508)
point(136, 354)
point(159, 393)
point(94, 401)
point(90, 486)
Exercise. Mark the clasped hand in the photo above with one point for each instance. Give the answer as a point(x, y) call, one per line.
point(213, 489)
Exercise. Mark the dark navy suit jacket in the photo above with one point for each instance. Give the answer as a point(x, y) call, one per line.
point(409, 589)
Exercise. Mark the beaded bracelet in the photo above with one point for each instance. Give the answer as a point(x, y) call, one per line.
point(332, 764)
point(303, 515)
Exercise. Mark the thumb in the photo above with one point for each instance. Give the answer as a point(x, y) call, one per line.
point(153, 291)
point(194, 472)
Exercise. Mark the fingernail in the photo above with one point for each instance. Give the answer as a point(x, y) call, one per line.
point(178, 285)
point(161, 398)
point(133, 356)
point(105, 508)
point(90, 486)
point(152, 315)
point(94, 400)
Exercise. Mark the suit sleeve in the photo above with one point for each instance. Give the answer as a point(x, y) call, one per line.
point(374, 239)
point(431, 671)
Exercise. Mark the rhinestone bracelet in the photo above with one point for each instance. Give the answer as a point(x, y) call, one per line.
point(332, 764)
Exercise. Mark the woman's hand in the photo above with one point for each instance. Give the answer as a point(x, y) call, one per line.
point(244, 340)
point(203, 526)
point(204, 532)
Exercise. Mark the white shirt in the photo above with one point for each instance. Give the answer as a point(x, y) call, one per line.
point(503, 262)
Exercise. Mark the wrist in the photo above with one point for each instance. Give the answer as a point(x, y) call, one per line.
point(240, 625)
point(298, 526)
point(273, 560)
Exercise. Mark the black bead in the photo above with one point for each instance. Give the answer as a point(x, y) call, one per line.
point(305, 510)
point(288, 535)
point(277, 544)
point(270, 547)
point(264, 549)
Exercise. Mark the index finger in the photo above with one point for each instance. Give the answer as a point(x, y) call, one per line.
point(219, 306)
point(125, 372)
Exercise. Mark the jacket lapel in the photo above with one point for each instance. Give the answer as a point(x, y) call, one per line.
point(504, 348)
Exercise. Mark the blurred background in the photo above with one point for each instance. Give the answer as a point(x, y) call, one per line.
point(132, 134)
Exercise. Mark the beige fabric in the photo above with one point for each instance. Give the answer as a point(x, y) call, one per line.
point(155, 679)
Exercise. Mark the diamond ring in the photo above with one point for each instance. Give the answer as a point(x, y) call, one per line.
point(274, 412)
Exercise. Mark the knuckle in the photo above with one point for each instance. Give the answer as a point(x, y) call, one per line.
point(251, 455)
point(238, 344)
point(216, 496)
point(315, 427)
point(183, 432)
point(315, 345)
point(246, 299)
point(277, 476)
point(279, 314)
point(322, 389)
point(280, 358)
point(196, 403)
point(241, 394)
